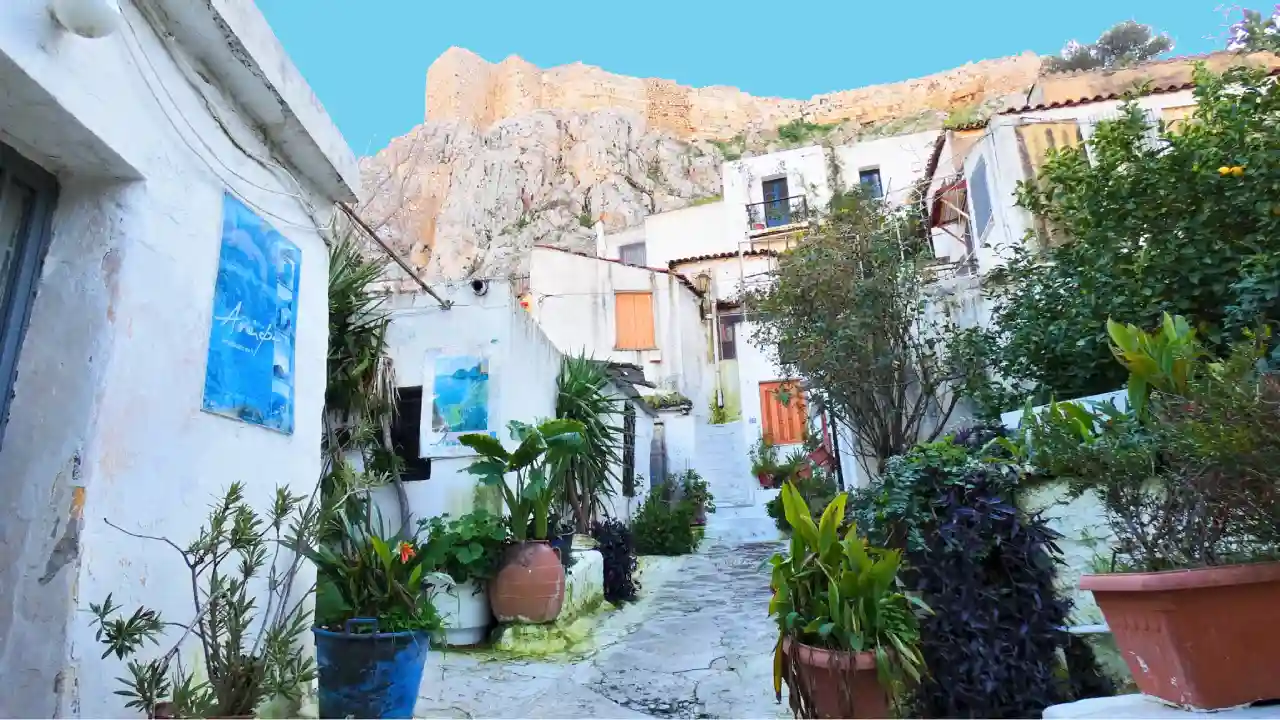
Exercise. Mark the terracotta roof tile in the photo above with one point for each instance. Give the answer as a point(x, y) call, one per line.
point(722, 256)
point(680, 278)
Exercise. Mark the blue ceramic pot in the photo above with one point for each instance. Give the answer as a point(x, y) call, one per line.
point(369, 674)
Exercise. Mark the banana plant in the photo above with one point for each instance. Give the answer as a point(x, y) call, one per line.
point(542, 448)
point(836, 592)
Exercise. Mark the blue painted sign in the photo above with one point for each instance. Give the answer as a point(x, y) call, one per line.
point(249, 376)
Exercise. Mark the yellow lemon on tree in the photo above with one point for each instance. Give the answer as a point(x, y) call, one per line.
point(1224, 170)
point(1238, 171)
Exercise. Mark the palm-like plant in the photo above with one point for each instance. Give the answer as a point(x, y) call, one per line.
point(588, 478)
point(552, 444)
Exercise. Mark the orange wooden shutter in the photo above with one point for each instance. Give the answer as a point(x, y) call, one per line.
point(1176, 117)
point(633, 316)
point(783, 424)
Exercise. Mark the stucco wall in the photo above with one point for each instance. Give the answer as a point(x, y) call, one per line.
point(901, 159)
point(523, 369)
point(688, 232)
point(106, 420)
point(572, 300)
point(806, 173)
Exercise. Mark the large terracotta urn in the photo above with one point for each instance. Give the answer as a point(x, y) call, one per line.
point(529, 587)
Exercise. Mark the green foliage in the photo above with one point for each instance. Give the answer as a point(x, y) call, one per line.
point(673, 399)
point(1188, 477)
point(466, 548)
point(802, 132)
point(706, 200)
point(891, 510)
point(732, 148)
point(963, 116)
point(364, 573)
point(718, 414)
point(1254, 33)
point(664, 524)
point(542, 450)
point(251, 653)
point(588, 478)
point(696, 491)
point(818, 488)
point(846, 310)
point(1126, 43)
point(841, 594)
point(1185, 225)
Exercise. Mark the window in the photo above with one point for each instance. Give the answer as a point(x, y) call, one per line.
point(980, 198)
point(27, 196)
point(870, 180)
point(633, 316)
point(406, 434)
point(632, 254)
point(728, 336)
point(782, 412)
point(777, 210)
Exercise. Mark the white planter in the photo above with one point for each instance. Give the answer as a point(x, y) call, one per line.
point(465, 612)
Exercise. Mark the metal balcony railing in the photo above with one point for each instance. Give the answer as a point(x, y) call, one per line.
point(777, 213)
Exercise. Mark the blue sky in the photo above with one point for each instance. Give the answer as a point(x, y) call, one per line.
point(367, 59)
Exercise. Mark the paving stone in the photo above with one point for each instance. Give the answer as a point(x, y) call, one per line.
point(697, 644)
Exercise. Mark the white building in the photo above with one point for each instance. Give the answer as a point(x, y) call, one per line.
point(117, 159)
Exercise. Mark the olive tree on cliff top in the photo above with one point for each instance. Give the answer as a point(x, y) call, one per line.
point(847, 311)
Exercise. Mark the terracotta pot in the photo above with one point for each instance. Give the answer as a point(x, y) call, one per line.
point(529, 587)
point(839, 684)
point(1204, 638)
point(765, 480)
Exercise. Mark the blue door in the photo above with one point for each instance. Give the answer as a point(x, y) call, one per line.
point(777, 208)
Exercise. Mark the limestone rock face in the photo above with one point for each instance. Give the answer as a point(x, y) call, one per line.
point(458, 201)
point(511, 155)
point(463, 86)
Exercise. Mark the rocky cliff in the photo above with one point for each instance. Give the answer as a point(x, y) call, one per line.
point(511, 155)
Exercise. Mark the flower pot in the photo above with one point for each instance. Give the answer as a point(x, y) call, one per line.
point(369, 675)
point(529, 587)
point(1205, 638)
point(839, 684)
point(563, 545)
point(765, 480)
point(464, 609)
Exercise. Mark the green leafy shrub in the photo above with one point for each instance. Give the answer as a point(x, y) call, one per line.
point(664, 525)
point(1186, 224)
point(467, 548)
point(818, 489)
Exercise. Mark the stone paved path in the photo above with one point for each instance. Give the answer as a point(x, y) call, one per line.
point(698, 644)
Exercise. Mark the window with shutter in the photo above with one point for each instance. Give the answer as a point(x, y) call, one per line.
point(783, 415)
point(979, 198)
point(1175, 118)
point(1035, 140)
point(633, 254)
point(633, 318)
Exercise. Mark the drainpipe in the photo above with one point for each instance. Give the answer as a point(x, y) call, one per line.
point(715, 340)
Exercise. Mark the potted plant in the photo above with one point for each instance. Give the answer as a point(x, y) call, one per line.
point(697, 492)
point(249, 644)
point(1189, 478)
point(561, 532)
point(467, 549)
point(374, 618)
point(764, 462)
point(848, 638)
point(529, 586)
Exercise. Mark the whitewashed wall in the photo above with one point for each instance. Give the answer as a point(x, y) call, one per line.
point(1086, 536)
point(523, 369)
point(806, 173)
point(691, 231)
point(572, 300)
point(901, 160)
point(106, 421)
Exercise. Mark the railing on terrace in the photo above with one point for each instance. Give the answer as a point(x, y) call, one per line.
point(777, 213)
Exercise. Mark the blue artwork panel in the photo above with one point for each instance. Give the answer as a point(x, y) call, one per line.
point(249, 376)
point(461, 401)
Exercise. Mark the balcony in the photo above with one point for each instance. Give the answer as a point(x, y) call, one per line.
point(777, 214)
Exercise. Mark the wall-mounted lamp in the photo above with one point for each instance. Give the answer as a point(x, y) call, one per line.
point(87, 18)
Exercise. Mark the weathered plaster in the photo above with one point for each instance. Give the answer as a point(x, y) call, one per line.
point(106, 420)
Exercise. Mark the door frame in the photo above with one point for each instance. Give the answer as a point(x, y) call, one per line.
point(32, 247)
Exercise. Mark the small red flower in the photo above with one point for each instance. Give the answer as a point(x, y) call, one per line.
point(406, 551)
